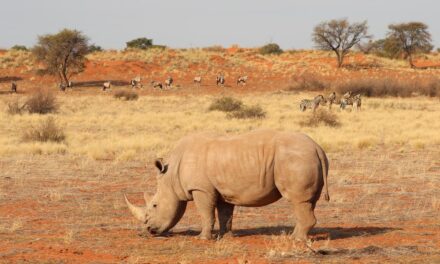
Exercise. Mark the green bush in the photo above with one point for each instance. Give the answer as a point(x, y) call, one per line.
point(140, 43)
point(271, 48)
point(19, 47)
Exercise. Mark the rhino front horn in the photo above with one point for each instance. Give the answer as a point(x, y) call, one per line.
point(138, 212)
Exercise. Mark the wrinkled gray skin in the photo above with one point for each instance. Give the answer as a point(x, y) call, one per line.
point(252, 169)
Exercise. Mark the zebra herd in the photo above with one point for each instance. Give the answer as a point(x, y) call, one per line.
point(347, 99)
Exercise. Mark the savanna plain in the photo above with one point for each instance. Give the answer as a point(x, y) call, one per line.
point(62, 201)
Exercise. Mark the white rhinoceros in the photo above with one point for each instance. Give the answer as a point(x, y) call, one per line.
point(252, 169)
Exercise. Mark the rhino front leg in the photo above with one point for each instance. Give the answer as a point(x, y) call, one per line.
point(225, 211)
point(205, 204)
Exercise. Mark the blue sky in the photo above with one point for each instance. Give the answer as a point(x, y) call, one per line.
point(198, 23)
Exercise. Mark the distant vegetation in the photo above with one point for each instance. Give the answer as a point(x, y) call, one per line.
point(94, 48)
point(63, 53)
point(47, 130)
point(140, 43)
point(271, 48)
point(236, 109)
point(226, 104)
point(41, 102)
point(19, 47)
point(126, 95)
point(339, 36)
point(320, 117)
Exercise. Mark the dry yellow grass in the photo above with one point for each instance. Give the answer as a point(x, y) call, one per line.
point(101, 127)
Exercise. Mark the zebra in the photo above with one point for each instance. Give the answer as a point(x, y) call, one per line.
point(220, 80)
point(136, 82)
point(156, 84)
point(311, 104)
point(169, 81)
point(198, 80)
point(347, 95)
point(331, 99)
point(242, 80)
point(354, 101)
point(106, 85)
point(13, 87)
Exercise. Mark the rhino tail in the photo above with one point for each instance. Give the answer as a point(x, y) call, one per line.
point(324, 166)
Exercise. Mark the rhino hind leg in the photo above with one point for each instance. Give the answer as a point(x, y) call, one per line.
point(305, 220)
point(205, 204)
point(224, 212)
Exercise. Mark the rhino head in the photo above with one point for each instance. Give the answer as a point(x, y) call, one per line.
point(164, 210)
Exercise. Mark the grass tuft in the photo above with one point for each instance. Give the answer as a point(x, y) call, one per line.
point(126, 95)
point(254, 111)
point(321, 117)
point(46, 131)
point(226, 104)
point(41, 102)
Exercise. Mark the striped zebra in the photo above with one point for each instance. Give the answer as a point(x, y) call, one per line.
point(354, 101)
point(242, 80)
point(311, 103)
point(220, 80)
point(331, 99)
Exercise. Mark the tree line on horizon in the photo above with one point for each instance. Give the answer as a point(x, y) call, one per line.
point(64, 53)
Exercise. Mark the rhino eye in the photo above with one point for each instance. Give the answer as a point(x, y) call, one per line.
point(154, 205)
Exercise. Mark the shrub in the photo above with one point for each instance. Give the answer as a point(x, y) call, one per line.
point(94, 48)
point(45, 131)
point(19, 47)
point(140, 43)
point(14, 107)
point(226, 104)
point(254, 111)
point(215, 48)
point(391, 86)
point(271, 48)
point(126, 95)
point(320, 117)
point(41, 102)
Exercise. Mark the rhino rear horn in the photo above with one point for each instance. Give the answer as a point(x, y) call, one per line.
point(138, 212)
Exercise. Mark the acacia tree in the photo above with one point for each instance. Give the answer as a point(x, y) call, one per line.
point(339, 36)
point(410, 38)
point(62, 53)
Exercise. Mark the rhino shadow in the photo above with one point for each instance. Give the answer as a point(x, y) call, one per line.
point(334, 232)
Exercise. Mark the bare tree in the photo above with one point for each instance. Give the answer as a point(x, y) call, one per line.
point(339, 36)
point(411, 38)
point(62, 53)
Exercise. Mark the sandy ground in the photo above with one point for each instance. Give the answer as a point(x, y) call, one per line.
point(66, 209)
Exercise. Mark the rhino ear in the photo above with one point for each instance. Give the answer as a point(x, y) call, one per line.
point(161, 166)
